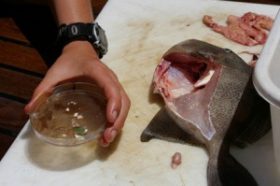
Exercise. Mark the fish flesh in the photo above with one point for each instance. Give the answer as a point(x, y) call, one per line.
point(176, 160)
point(209, 101)
point(250, 29)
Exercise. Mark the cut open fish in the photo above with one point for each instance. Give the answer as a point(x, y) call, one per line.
point(209, 101)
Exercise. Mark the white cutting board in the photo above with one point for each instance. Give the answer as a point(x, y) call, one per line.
point(139, 32)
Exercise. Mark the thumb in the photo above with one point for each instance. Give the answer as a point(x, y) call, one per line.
point(41, 93)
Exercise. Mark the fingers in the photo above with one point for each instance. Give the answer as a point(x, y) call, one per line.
point(114, 101)
point(108, 136)
point(118, 102)
point(111, 131)
point(111, 87)
point(118, 125)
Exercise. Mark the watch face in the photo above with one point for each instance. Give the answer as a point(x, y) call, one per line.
point(101, 40)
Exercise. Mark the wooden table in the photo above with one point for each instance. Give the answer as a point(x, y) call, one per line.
point(275, 2)
point(21, 69)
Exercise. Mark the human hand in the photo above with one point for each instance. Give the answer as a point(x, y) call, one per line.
point(79, 62)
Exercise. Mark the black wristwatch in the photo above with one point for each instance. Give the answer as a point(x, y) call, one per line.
point(91, 32)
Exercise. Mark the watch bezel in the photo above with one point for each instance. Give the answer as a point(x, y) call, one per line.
point(100, 38)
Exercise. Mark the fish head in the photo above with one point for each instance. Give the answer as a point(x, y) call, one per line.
point(187, 78)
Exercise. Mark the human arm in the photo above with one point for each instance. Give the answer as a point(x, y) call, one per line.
point(79, 62)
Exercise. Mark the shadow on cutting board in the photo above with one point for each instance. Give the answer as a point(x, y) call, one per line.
point(57, 158)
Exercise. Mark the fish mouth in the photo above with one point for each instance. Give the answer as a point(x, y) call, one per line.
point(186, 82)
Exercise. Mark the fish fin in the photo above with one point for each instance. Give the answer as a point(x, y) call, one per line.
point(257, 126)
point(225, 170)
point(164, 127)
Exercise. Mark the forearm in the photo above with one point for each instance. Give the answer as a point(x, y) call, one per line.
point(70, 11)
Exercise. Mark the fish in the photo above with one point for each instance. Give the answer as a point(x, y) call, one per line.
point(209, 101)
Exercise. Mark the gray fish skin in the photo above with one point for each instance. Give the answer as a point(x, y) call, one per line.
point(228, 100)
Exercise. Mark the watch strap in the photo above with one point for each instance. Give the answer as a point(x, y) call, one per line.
point(78, 31)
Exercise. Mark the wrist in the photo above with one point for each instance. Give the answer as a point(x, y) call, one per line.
point(80, 46)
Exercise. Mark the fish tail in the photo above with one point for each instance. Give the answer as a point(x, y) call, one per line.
point(225, 170)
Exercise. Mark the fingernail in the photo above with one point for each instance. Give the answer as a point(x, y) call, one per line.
point(114, 133)
point(115, 115)
point(103, 143)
